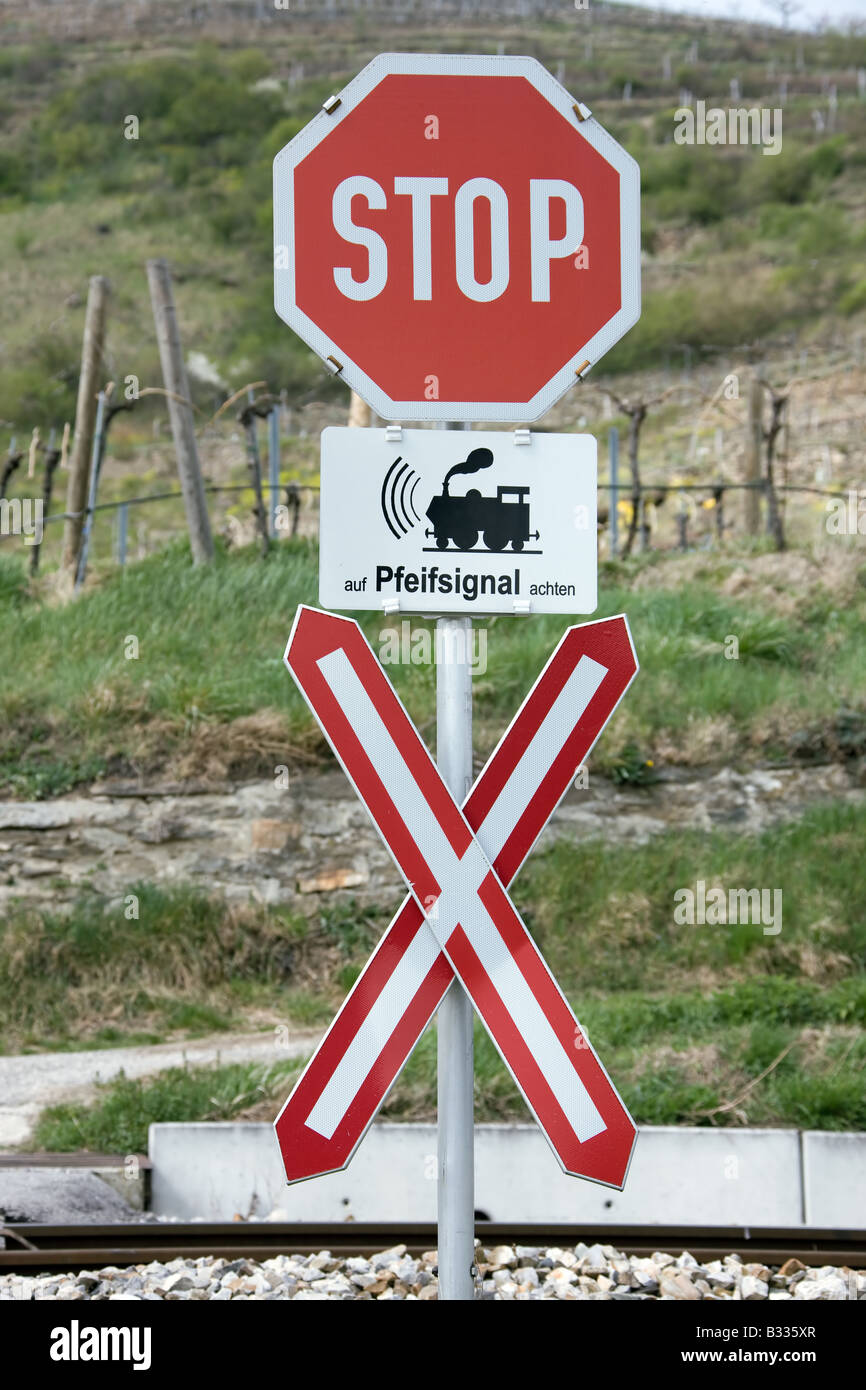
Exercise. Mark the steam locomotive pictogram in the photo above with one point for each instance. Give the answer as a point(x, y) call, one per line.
point(502, 520)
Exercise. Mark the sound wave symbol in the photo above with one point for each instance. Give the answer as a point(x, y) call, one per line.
point(396, 505)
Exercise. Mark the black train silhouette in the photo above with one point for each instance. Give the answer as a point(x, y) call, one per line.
point(461, 519)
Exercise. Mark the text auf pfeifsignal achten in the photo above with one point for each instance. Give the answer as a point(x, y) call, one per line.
point(430, 579)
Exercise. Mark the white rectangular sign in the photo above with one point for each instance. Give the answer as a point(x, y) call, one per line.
point(458, 521)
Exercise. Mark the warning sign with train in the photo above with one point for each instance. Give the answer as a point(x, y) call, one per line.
point(445, 521)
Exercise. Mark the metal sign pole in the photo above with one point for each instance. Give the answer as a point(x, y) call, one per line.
point(95, 468)
point(455, 1016)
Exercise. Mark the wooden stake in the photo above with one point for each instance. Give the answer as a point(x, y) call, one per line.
point(85, 417)
point(180, 411)
point(359, 412)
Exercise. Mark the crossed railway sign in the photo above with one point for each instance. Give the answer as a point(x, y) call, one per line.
point(458, 918)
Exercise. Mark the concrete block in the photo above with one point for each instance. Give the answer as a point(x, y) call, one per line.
point(834, 1179)
point(689, 1176)
point(730, 1177)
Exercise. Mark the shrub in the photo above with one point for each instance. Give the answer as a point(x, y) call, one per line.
point(14, 176)
point(853, 299)
point(779, 221)
point(216, 108)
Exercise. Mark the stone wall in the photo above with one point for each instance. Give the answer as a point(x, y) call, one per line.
point(313, 839)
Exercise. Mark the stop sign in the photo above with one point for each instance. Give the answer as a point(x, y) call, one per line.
point(456, 237)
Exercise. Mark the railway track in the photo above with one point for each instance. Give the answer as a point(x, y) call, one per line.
point(32, 1248)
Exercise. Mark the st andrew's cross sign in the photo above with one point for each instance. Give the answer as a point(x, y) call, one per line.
point(458, 918)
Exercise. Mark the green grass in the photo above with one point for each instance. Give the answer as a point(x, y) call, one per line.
point(604, 914)
point(118, 1122)
point(188, 965)
point(210, 642)
point(685, 1017)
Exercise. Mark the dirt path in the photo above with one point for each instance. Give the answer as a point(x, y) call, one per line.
point(30, 1082)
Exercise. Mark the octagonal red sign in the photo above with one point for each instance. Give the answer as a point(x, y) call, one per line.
point(456, 237)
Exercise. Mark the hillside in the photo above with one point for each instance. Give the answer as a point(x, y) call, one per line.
point(739, 246)
point(748, 258)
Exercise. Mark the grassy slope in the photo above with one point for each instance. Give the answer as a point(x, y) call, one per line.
point(210, 643)
point(738, 246)
point(686, 1017)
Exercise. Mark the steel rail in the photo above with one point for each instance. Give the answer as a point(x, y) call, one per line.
point(30, 1248)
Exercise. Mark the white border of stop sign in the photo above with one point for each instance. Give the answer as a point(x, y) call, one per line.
point(422, 191)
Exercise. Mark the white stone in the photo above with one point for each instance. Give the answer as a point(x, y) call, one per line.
point(753, 1287)
point(833, 1287)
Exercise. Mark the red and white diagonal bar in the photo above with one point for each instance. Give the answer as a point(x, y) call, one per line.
point(407, 976)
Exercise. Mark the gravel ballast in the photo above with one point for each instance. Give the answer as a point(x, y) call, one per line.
point(519, 1273)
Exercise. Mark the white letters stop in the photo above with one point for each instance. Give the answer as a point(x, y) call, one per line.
point(493, 199)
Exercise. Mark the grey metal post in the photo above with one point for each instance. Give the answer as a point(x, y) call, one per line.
point(455, 1017)
point(122, 532)
point(613, 453)
point(683, 524)
point(95, 467)
point(273, 467)
point(754, 453)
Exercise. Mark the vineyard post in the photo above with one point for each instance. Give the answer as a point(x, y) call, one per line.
point(180, 411)
point(92, 350)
